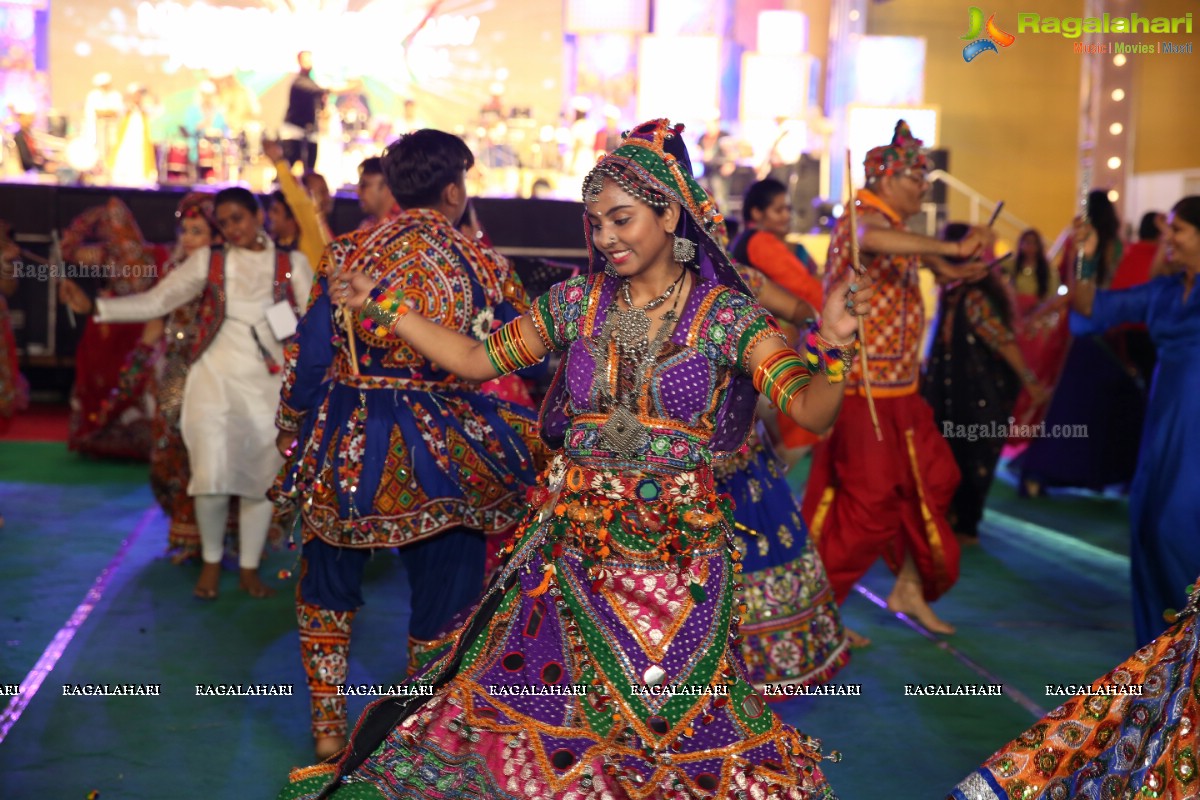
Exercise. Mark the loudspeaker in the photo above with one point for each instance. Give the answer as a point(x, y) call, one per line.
point(553, 228)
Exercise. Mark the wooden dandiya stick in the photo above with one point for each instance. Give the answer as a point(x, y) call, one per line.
point(995, 214)
point(347, 318)
point(348, 324)
point(859, 269)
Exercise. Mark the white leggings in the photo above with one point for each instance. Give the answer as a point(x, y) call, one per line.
point(254, 521)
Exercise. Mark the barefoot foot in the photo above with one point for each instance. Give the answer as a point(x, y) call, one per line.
point(856, 640)
point(906, 598)
point(208, 582)
point(327, 747)
point(252, 585)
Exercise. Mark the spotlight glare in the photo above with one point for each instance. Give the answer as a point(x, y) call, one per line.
point(1116, 128)
point(1114, 162)
point(1118, 95)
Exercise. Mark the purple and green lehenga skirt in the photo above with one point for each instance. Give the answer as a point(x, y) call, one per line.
point(604, 661)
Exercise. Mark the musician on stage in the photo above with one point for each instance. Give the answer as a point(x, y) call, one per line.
point(102, 111)
point(31, 155)
point(305, 101)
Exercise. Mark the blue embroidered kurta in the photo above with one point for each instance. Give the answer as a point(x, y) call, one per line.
point(404, 450)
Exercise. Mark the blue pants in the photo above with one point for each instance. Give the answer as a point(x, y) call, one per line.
point(446, 574)
point(444, 571)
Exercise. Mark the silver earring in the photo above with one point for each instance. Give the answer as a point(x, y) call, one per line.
point(684, 250)
point(610, 270)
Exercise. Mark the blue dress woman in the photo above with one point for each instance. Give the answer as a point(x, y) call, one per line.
point(792, 631)
point(1164, 500)
point(1133, 733)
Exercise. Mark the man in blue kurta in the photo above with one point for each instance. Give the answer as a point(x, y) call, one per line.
point(394, 451)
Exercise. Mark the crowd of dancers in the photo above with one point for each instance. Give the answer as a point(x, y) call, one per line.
point(651, 554)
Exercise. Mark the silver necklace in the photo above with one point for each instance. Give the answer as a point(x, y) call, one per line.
point(631, 326)
point(623, 431)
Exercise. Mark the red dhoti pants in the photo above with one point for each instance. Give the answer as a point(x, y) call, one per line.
point(868, 499)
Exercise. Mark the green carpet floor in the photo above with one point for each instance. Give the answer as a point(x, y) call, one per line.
point(1044, 599)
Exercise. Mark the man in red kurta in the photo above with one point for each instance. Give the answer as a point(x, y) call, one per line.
point(868, 499)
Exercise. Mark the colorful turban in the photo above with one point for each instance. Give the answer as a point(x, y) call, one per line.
point(904, 153)
point(197, 205)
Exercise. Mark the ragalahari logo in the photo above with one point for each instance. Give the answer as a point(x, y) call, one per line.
point(995, 36)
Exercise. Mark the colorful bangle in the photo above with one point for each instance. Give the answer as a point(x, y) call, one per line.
point(382, 311)
point(825, 357)
point(507, 349)
point(781, 377)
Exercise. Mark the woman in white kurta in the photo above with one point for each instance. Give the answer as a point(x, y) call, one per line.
point(232, 389)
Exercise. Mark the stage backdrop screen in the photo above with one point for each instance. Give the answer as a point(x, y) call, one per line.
point(447, 56)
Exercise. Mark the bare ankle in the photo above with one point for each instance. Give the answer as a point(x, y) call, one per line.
point(252, 584)
point(325, 747)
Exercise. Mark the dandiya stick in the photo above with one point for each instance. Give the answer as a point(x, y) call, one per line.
point(348, 324)
point(858, 268)
point(995, 214)
point(347, 319)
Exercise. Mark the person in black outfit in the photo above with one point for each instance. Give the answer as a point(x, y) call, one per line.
point(305, 101)
point(971, 381)
point(27, 148)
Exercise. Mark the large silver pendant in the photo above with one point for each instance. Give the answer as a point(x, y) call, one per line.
point(631, 330)
point(624, 432)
